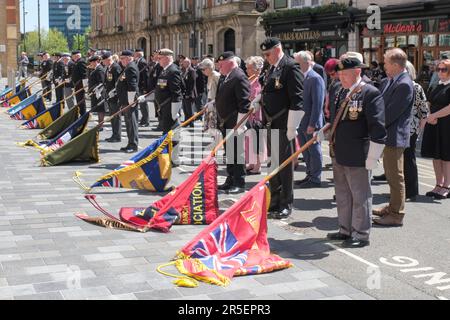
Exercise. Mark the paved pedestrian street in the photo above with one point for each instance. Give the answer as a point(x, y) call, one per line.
point(47, 253)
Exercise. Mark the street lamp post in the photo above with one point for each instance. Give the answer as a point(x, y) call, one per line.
point(24, 30)
point(39, 24)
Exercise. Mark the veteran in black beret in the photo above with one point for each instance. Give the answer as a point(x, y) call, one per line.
point(58, 72)
point(67, 78)
point(127, 89)
point(282, 103)
point(143, 80)
point(357, 139)
point(96, 86)
point(79, 79)
point(113, 72)
point(232, 104)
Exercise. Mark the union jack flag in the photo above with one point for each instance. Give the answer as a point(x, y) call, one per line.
point(60, 142)
point(32, 124)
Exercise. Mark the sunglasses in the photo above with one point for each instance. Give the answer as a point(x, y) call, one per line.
point(442, 69)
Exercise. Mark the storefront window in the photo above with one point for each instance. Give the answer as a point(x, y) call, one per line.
point(367, 57)
point(366, 43)
point(444, 40)
point(376, 42)
point(428, 57)
point(413, 40)
point(390, 42)
point(444, 54)
point(429, 40)
point(401, 41)
point(280, 4)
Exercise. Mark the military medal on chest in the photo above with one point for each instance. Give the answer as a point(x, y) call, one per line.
point(109, 76)
point(355, 107)
point(278, 84)
point(122, 77)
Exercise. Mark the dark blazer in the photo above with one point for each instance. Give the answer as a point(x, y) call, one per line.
point(153, 73)
point(112, 77)
point(189, 83)
point(58, 70)
point(143, 73)
point(200, 82)
point(398, 100)
point(282, 90)
point(96, 77)
point(233, 97)
point(67, 73)
point(79, 71)
point(353, 136)
point(128, 82)
point(313, 98)
point(168, 90)
point(46, 67)
point(321, 72)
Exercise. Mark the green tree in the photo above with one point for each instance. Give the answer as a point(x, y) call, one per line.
point(81, 41)
point(51, 41)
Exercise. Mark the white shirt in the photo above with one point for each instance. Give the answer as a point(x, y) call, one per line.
point(354, 86)
point(307, 71)
point(444, 82)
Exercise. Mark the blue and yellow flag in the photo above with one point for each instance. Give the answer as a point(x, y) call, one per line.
point(14, 99)
point(22, 104)
point(45, 118)
point(30, 110)
point(150, 169)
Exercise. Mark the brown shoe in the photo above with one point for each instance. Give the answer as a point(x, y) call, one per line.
point(381, 212)
point(390, 220)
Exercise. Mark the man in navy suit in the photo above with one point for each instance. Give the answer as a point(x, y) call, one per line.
point(398, 95)
point(313, 120)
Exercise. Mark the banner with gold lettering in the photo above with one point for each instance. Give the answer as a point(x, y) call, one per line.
point(194, 202)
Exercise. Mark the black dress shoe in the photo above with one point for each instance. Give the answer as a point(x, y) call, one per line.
point(381, 177)
point(337, 236)
point(412, 198)
point(300, 182)
point(355, 243)
point(309, 185)
point(124, 148)
point(224, 187)
point(113, 140)
point(131, 149)
point(235, 190)
point(144, 124)
point(283, 214)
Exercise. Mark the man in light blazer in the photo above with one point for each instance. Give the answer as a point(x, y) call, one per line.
point(398, 95)
point(313, 120)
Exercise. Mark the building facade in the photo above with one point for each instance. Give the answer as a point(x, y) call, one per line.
point(70, 17)
point(9, 35)
point(189, 27)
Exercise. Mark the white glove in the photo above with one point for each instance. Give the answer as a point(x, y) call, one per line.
point(48, 77)
point(131, 96)
point(112, 93)
point(176, 107)
point(141, 99)
point(294, 119)
point(98, 93)
point(256, 103)
point(210, 105)
point(242, 128)
point(320, 135)
point(375, 151)
point(85, 82)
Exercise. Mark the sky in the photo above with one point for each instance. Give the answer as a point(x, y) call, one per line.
point(31, 19)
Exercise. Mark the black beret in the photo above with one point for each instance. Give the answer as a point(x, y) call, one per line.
point(350, 63)
point(76, 52)
point(106, 55)
point(65, 54)
point(139, 50)
point(95, 58)
point(126, 53)
point(57, 54)
point(226, 55)
point(269, 43)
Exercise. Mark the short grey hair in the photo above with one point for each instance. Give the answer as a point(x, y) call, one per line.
point(397, 56)
point(411, 70)
point(207, 63)
point(238, 60)
point(256, 61)
point(304, 55)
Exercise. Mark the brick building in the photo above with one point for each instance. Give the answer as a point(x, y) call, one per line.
point(9, 35)
point(211, 28)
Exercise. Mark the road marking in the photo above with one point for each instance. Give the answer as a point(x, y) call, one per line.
point(354, 256)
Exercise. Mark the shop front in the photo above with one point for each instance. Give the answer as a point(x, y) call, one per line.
point(323, 43)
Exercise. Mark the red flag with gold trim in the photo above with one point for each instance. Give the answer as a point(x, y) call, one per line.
point(235, 244)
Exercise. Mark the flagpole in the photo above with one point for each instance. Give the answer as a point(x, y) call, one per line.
point(48, 92)
point(231, 133)
point(294, 155)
